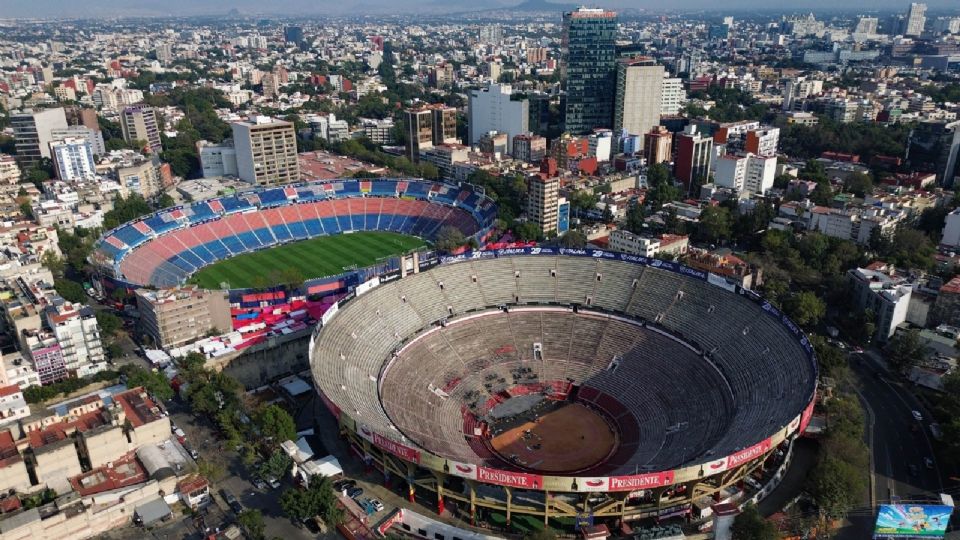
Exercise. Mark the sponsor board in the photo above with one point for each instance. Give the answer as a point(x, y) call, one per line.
point(509, 479)
point(748, 454)
point(367, 286)
point(640, 481)
point(593, 484)
point(912, 521)
point(463, 470)
point(403, 452)
point(715, 467)
point(807, 415)
point(329, 313)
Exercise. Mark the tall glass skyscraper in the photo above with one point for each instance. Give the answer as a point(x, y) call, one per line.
point(590, 69)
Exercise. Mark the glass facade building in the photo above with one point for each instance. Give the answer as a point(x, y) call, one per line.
point(589, 61)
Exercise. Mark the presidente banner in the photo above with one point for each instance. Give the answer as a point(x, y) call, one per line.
point(912, 521)
point(509, 479)
point(403, 452)
point(748, 454)
point(641, 481)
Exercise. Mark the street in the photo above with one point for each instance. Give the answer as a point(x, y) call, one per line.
point(900, 444)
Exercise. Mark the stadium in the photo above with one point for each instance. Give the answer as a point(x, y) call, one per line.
point(564, 386)
point(166, 248)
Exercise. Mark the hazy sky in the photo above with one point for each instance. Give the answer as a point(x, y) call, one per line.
point(107, 8)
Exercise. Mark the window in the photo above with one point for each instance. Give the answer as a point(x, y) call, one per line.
point(438, 536)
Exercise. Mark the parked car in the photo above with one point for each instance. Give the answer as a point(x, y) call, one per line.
point(273, 482)
point(355, 492)
point(231, 501)
point(377, 504)
point(342, 485)
point(928, 462)
point(259, 484)
point(917, 416)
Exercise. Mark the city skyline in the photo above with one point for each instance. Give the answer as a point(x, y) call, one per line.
point(15, 9)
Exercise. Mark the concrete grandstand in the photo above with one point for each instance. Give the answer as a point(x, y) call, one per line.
point(698, 382)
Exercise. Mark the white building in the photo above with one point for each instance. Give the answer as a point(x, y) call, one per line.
point(672, 96)
point(329, 128)
point(493, 109)
point(217, 159)
point(378, 131)
point(745, 174)
point(73, 159)
point(854, 224)
point(601, 144)
point(12, 404)
point(93, 136)
point(885, 294)
point(951, 230)
point(266, 151)
point(78, 334)
point(627, 242)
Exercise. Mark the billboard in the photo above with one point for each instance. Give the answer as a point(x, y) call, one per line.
point(912, 521)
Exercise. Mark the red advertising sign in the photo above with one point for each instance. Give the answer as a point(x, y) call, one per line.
point(403, 452)
point(807, 415)
point(511, 479)
point(748, 454)
point(641, 481)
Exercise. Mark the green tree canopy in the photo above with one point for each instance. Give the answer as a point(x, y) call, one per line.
point(750, 525)
point(276, 423)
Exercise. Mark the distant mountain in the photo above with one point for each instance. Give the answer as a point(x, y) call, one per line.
point(543, 5)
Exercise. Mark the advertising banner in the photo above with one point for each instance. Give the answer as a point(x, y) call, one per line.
point(463, 470)
point(641, 481)
point(912, 521)
point(748, 454)
point(401, 451)
point(509, 479)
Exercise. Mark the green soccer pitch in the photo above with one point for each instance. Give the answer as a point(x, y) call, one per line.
point(314, 258)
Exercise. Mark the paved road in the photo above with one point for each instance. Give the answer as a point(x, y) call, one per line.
point(900, 443)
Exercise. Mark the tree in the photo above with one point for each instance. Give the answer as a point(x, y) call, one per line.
point(573, 239)
point(545, 533)
point(635, 219)
point(449, 238)
point(276, 423)
point(529, 230)
point(750, 525)
point(904, 350)
point(858, 183)
point(805, 308)
point(165, 201)
point(316, 500)
point(252, 521)
point(109, 323)
point(26, 210)
point(51, 261)
point(276, 465)
point(70, 290)
point(714, 224)
point(836, 485)
point(153, 382)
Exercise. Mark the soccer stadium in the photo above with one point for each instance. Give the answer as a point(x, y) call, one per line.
point(168, 247)
point(565, 386)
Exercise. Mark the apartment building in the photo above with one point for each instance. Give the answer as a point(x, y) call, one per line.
point(175, 317)
point(266, 151)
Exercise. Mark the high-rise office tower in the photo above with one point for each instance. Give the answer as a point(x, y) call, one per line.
point(639, 95)
point(495, 109)
point(266, 151)
point(73, 159)
point(293, 34)
point(694, 155)
point(589, 67)
point(139, 123)
point(543, 201)
point(934, 146)
point(32, 132)
point(916, 19)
